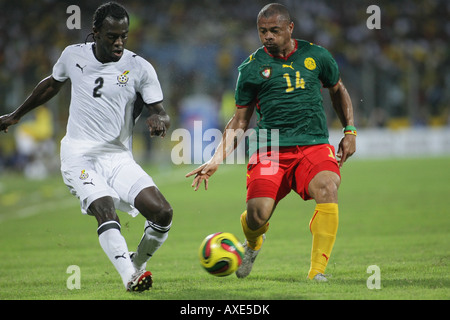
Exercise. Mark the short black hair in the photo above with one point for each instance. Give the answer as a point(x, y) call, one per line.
point(110, 9)
point(275, 8)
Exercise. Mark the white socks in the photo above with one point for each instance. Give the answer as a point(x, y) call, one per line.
point(115, 247)
point(154, 236)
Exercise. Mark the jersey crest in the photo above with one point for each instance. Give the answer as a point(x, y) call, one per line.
point(310, 63)
point(123, 79)
point(266, 72)
point(84, 175)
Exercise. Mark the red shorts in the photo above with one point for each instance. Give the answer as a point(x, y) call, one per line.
point(274, 174)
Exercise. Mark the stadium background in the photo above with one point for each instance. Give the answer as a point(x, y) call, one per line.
point(398, 76)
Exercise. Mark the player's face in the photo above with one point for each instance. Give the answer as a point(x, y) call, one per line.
point(111, 39)
point(275, 33)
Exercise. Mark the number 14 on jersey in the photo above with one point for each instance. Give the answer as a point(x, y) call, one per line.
point(299, 82)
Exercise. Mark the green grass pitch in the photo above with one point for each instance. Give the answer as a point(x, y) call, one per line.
point(394, 214)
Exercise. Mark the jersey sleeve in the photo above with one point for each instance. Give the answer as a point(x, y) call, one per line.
point(149, 86)
point(59, 72)
point(246, 88)
point(329, 71)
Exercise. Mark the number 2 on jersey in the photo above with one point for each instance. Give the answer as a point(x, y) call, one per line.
point(299, 82)
point(99, 82)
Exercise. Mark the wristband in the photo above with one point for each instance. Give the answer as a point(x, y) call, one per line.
point(350, 130)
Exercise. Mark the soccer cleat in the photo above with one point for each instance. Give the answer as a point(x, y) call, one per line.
point(320, 277)
point(140, 281)
point(249, 258)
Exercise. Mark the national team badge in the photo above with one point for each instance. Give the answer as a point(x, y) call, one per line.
point(310, 63)
point(266, 72)
point(84, 175)
point(123, 79)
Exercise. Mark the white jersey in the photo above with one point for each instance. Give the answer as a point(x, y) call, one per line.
point(103, 94)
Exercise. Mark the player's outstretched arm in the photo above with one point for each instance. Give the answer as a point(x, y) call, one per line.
point(342, 104)
point(43, 92)
point(234, 131)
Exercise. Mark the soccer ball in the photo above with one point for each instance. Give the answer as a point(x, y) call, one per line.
point(221, 254)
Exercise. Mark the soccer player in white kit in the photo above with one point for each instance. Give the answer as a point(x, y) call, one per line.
point(110, 86)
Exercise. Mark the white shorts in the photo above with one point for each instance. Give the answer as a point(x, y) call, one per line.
point(90, 177)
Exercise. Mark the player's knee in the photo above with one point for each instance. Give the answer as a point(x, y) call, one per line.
point(259, 211)
point(324, 188)
point(103, 210)
point(160, 214)
point(256, 219)
point(154, 207)
point(165, 214)
point(329, 188)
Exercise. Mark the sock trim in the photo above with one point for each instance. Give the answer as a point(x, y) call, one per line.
point(108, 225)
point(157, 227)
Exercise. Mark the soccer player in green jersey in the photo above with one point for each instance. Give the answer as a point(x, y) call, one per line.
point(282, 82)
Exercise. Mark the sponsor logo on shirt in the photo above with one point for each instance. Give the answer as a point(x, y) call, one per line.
point(80, 67)
point(289, 66)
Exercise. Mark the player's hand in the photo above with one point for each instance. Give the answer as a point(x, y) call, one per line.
point(202, 173)
point(6, 121)
point(347, 147)
point(156, 125)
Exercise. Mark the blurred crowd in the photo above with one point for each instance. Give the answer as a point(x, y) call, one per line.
point(400, 72)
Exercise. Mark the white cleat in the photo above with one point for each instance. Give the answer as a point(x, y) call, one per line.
point(320, 277)
point(249, 258)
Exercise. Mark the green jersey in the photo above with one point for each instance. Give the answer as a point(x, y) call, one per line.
point(287, 92)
